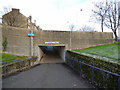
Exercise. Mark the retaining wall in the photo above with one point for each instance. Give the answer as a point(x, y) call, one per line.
point(19, 42)
point(101, 78)
point(19, 65)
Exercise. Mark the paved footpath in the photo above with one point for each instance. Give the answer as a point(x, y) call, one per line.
point(46, 76)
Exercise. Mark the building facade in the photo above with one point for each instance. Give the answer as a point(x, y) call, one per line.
point(16, 19)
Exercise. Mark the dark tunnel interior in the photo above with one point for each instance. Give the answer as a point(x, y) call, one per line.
point(53, 53)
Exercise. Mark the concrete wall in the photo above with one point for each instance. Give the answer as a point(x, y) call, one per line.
point(88, 39)
point(19, 42)
point(40, 53)
point(79, 39)
point(0, 56)
point(61, 51)
point(0, 38)
point(42, 36)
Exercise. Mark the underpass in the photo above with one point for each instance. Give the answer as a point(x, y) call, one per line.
point(52, 53)
point(54, 73)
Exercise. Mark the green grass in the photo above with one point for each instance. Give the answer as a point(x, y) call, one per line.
point(10, 57)
point(110, 51)
point(116, 42)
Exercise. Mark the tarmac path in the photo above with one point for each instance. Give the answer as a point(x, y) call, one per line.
point(46, 76)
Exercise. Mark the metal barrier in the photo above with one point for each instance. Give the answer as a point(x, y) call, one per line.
point(93, 67)
point(20, 61)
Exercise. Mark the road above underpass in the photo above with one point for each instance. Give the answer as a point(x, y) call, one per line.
point(46, 76)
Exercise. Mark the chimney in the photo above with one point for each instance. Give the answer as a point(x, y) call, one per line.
point(15, 10)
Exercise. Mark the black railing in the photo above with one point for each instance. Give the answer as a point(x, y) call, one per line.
point(20, 61)
point(93, 68)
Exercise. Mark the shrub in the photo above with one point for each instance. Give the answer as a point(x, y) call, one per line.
point(4, 44)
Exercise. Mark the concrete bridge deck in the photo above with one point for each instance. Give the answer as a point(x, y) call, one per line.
point(46, 76)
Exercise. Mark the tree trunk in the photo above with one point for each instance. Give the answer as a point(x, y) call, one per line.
point(116, 38)
point(102, 25)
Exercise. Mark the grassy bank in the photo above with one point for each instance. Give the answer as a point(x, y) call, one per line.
point(110, 51)
point(10, 57)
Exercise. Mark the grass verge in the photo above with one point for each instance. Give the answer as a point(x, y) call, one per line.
point(111, 51)
point(10, 57)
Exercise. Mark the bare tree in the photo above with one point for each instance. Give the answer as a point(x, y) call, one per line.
point(112, 18)
point(86, 28)
point(14, 18)
point(71, 26)
point(100, 11)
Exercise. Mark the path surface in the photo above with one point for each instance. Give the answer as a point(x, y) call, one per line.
point(46, 76)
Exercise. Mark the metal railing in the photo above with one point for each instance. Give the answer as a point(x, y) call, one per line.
point(20, 62)
point(93, 67)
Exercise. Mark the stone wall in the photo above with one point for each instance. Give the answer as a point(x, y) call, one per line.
point(19, 65)
point(102, 79)
point(19, 42)
point(15, 18)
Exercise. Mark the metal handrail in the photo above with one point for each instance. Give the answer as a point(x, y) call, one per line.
point(101, 69)
point(20, 60)
point(93, 67)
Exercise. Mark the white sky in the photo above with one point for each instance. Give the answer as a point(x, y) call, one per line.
point(55, 14)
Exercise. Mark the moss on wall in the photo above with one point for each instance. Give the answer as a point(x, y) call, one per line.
point(101, 78)
point(15, 66)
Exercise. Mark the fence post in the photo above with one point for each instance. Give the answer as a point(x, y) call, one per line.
point(20, 65)
point(93, 75)
point(5, 68)
point(118, 83)
point(80, 68)
point(29, 62)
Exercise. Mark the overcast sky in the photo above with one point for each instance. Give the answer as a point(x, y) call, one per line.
point(55, 14)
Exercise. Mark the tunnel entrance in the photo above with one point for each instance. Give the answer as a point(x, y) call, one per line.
point(52, 54)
